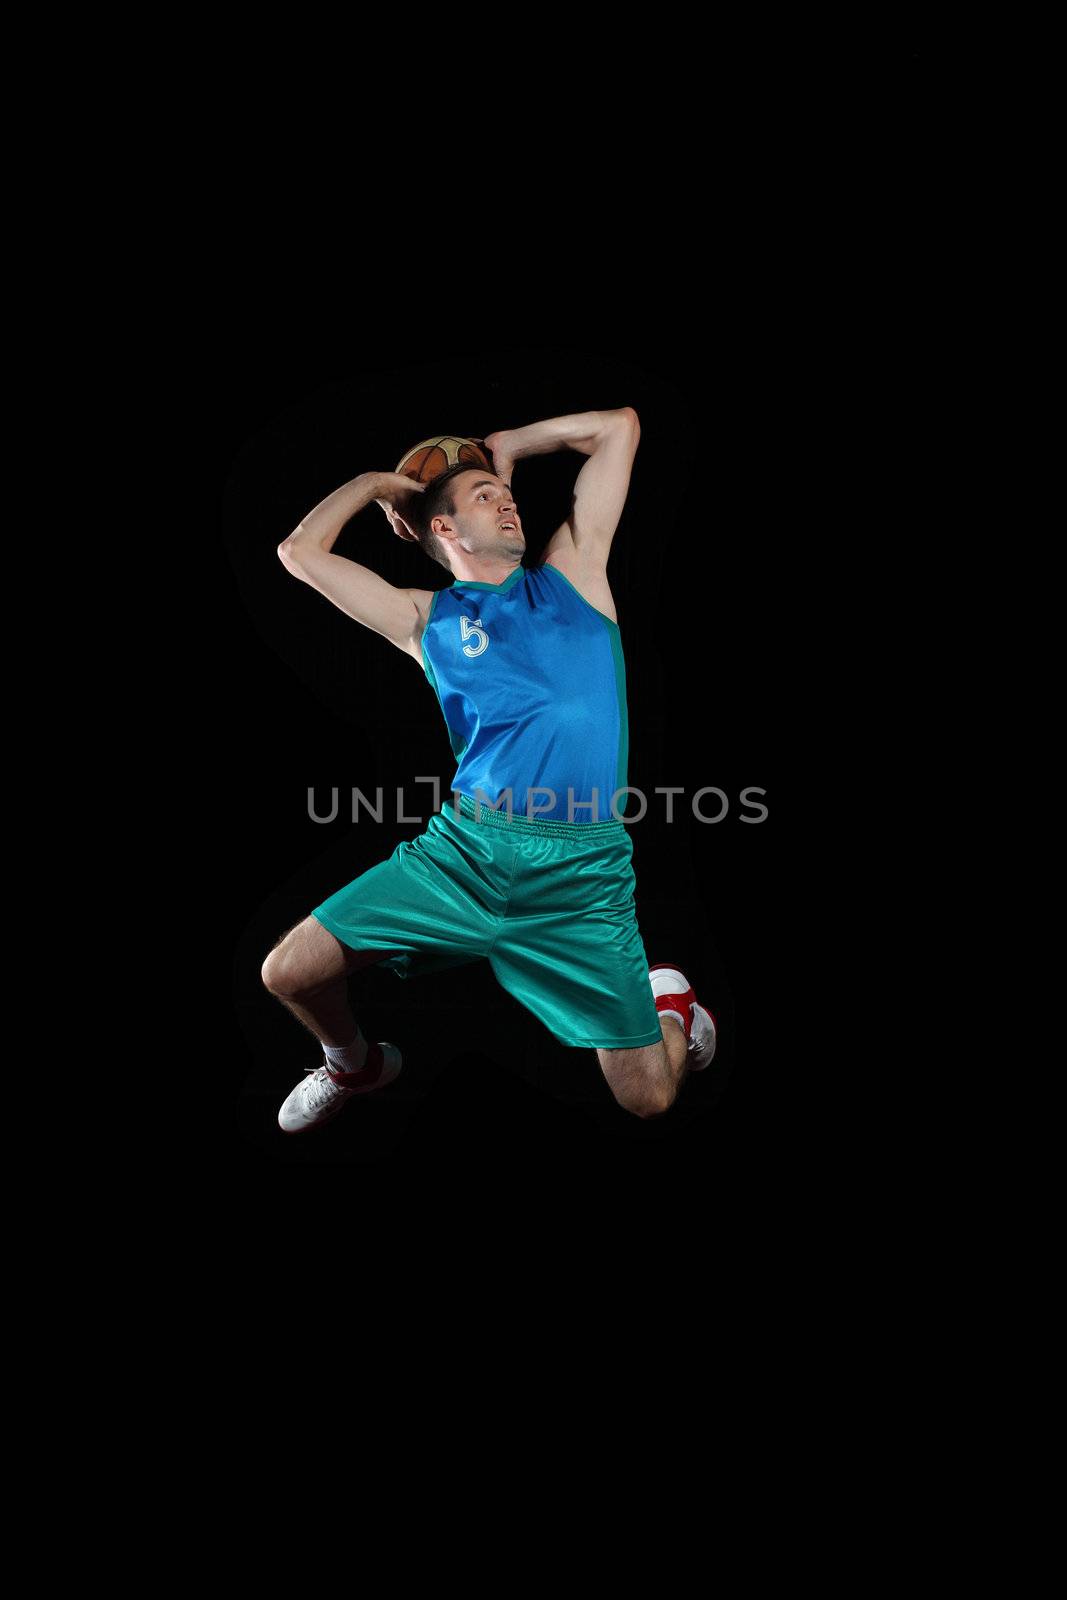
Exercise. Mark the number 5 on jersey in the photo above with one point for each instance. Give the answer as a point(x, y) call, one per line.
point(467, 630)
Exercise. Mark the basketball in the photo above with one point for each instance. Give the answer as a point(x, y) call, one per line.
point(429, 459)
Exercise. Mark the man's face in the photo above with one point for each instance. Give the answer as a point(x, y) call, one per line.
point(487, 519)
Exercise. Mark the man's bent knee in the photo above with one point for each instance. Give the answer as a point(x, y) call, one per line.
point(639, 1079)
point(304, 960)
point(649, 1101)
point(282, 976)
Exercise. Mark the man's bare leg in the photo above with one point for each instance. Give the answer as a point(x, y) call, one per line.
point(307, 971)
point(646, 1080)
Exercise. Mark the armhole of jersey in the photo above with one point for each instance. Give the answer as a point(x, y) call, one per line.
point(458, 743)
point(422, 643)
point(547, 567)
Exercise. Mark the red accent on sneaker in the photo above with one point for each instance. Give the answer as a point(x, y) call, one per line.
point(683, 1002)
point(678, 1002)
point(368, 1074)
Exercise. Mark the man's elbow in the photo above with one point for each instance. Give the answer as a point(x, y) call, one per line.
point(289, 551)
point(628, 415)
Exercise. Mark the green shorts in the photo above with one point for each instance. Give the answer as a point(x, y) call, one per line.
point(550, 906)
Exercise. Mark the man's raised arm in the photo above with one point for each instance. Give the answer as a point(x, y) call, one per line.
point(609, 439)
point(355, 589)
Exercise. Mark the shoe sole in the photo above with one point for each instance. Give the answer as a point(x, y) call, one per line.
point(699, 1066)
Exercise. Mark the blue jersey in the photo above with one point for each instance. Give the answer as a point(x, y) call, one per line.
point(531, 680)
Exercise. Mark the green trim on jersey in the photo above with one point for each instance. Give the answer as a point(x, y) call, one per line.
point(610, 622)
point(456, 740)
point(624, 724)
point(498, 588)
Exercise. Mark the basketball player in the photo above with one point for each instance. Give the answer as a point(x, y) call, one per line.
point(527, 665)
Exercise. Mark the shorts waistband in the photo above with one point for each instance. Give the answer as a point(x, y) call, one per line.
point(519, 823)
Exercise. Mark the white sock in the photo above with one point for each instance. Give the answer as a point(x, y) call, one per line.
point(346, 1058)
point(677, 1015)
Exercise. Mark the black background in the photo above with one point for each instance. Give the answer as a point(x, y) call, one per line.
point(757, 292)
point(704, 574)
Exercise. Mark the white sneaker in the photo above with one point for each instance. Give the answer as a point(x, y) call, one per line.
point(318, 1097)
point(674, 992)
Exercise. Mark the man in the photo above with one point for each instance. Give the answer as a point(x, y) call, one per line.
point(535, 874)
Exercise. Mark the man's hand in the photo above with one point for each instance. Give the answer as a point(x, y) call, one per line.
point(503, 460)
point(396, 495)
